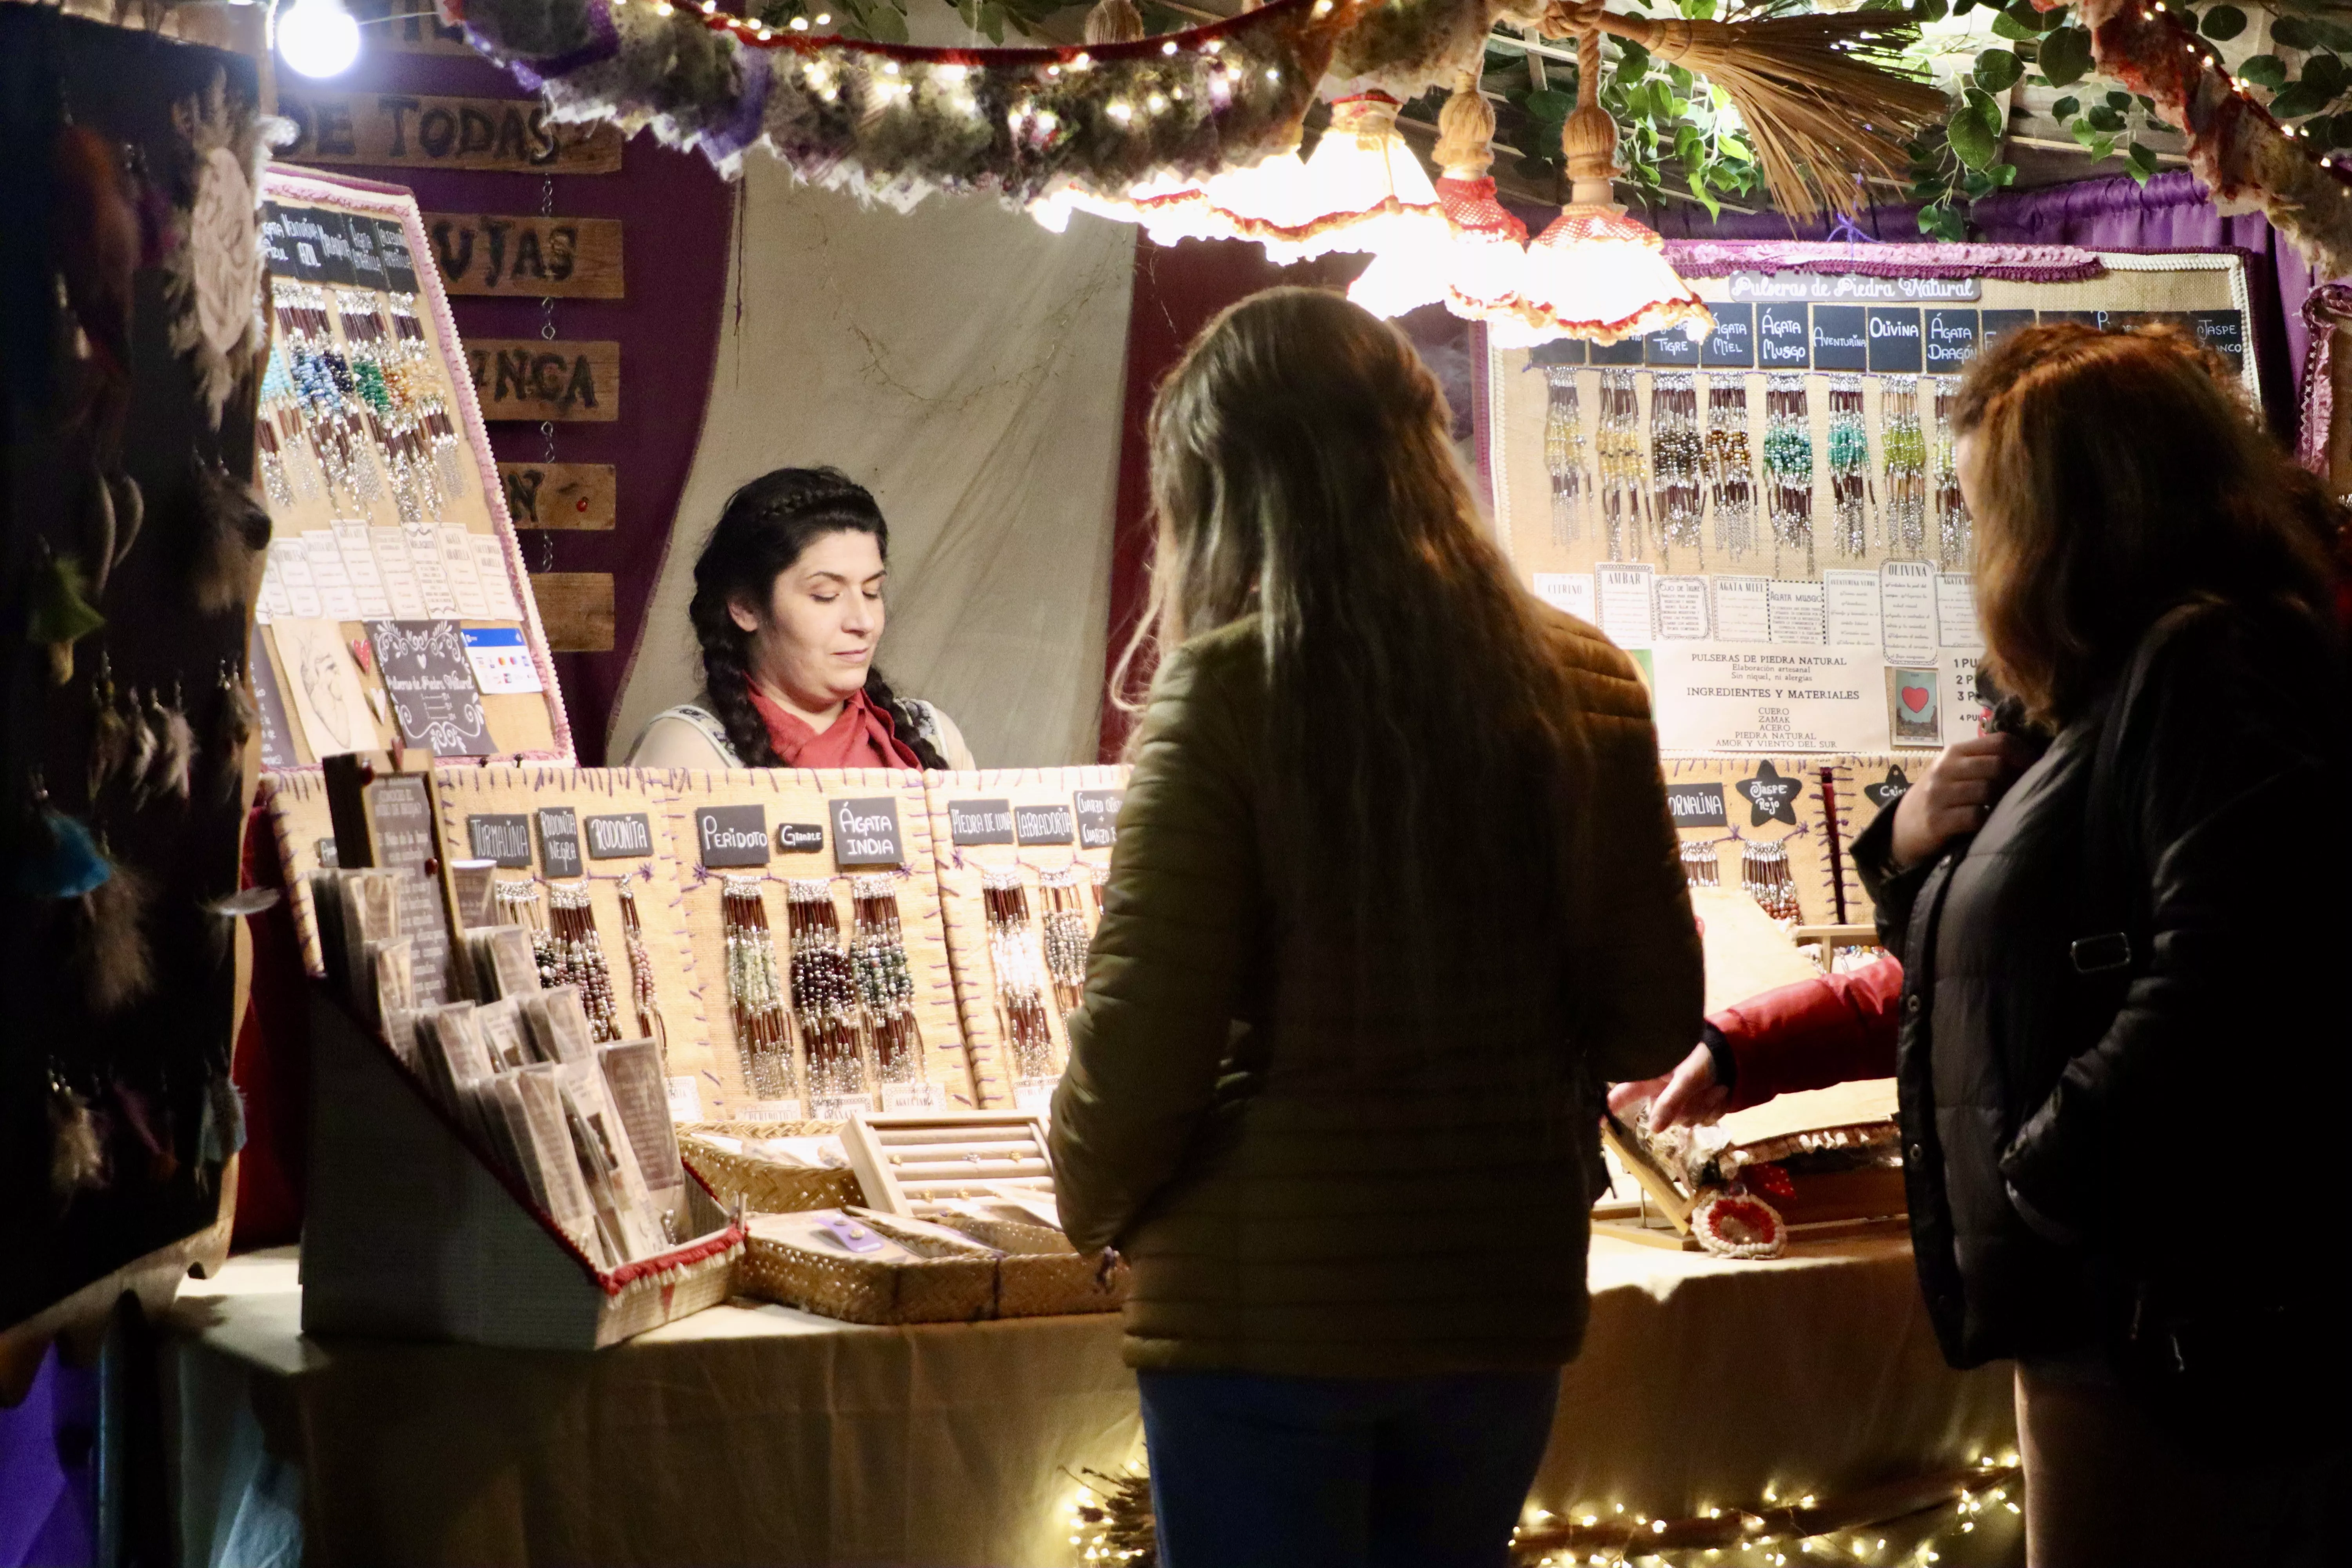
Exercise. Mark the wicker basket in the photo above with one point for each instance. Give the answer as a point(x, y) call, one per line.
point(779, 1265)
point(756, 1182)
point(1050, 1285)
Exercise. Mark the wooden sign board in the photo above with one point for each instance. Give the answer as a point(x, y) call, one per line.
point(576, 608)
point(416, 131)
point(535, 258)
point(1051, 828)
point(561, 495)
point(787, 818)
point(540, 379)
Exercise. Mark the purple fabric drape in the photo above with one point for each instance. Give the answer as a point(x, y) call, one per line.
point(47, 1509)
point(2171, 211)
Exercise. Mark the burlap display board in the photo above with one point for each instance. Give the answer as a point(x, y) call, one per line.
point(783, 824)
point(600, 829)
point(1866, 786)
point(1040, 825)
point(1750, 811)
point(300, 821)
point(1852, 630)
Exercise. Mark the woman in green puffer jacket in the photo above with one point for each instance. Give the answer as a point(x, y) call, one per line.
point(1396, 892)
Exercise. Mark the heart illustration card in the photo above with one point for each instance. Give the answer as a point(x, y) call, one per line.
point(1913, 716)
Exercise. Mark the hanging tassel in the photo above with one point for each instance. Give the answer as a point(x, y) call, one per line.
point(65, 863)
point(76, 1152)
point(116, 966)
point(61, 614)
point(233, 529)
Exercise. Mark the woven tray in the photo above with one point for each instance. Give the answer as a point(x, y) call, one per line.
point(966, 1282)
point(755, 1183)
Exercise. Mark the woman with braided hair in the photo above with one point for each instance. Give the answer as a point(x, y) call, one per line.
point(788, 609)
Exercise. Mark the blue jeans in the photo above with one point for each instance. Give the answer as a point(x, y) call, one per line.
point(1333, 1472)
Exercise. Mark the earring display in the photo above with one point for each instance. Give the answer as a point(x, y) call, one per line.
point(1953, 541)
point(1617, 448)
point(755, 992)
point(1903, 452)
point(1675, 500)
point(1019, 985)
point(1700, 867)
point(1789, 465)
point(1764, 875)
point(1067, 940)
point(1849, 467)
point(580, 957)
point(886, 989)
point(1566, 455)
point(1728, 466)
point(825, 1001)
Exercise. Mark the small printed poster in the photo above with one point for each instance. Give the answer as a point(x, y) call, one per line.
point(1682, 608)
point(1852, 602)
point(1912, 711)
point(502, 664)
point(1732, 696)
point(1567, 591)
point(1956, 612)
point(426, 673)
point(1906, 599)
point(1743, 609)
point(1627, 618)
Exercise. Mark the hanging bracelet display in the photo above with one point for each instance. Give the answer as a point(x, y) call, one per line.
point(1849, 465)
point(1020, 986)
point(641, 974)
point(1617, 449)
point(1067, 940)
point(755, 992)
point(1700, 867)
point(824, 1000)
point(1728, 465)
point(1953, 540)
point(886, 982)
point(1903, 455)
point(1765, 875)
point(580, 956)
point(1788, 466)
point(1566, 455)
point(1675, 500)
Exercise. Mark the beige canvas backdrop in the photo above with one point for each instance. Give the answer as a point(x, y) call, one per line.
point(968, 367)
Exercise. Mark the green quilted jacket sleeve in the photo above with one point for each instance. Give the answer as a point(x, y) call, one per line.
point(1165, 972)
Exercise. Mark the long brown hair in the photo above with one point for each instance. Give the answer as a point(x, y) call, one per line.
point(1423, 749)
point(2117, 475)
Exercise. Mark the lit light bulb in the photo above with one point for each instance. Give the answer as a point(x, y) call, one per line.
point(318, 38)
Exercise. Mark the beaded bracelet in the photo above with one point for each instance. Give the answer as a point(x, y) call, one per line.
point(885, 981)
point(1067, 940)
point(1849, 465)
point(1903, 451)
point(825, 996)
point(755, 992)
point(1788, 466)
point(1566, 455)
point(1765, 875)
point(1953, 534)
point(1700, 867)
point(1617, 449)
point(580, 956)
point(1729, 467)
point(1012, 951)
point(641, 974)
point(1675, 499)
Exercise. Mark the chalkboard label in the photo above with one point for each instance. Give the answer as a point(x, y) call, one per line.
point(800, 837)
point(1672, 347)
point(1696, 805)
point(399, 266)
point(276, 249)
point(626, 837)
point(980, 821)
point(367, 266)
point(2078, 318)
point(1951, 340)
point(1840, 338)
point(1769, 796)
point(505, 839)
point(1042, 824)
point(1782, 340)
point(1999, 324)
point(558, 840)
point(1561, 350)
point(865, 832)
point(334, 245)
point(431, 682)
point(1894, 339)
point(1098, 817)
point(304, 243)
point(1886, 790)
point(731, 835)
point(2223, 332)
point(1732, 344)
point(1625, 350)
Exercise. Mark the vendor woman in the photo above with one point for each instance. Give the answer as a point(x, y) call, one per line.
point(788, 609)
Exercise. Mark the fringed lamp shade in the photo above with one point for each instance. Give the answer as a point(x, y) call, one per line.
point(1362, 190)
point(1596, 273)
point(1476, 270)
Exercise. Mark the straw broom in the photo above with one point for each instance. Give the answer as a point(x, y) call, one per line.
point(1821, 108)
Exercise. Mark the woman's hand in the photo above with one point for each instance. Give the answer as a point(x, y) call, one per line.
point(1689, 1094)
point(1956, 794)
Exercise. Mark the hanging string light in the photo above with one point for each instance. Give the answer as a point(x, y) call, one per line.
point(1169, 206)
point(1477, 270)
point(1596, 272)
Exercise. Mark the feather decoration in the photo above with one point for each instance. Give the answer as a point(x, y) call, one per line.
point(76, 1152)
point(62, 614)
point(144, 744)
point(130, 504)
point(116, 965)
point(68, 866)
point(175, 745)
point(1824, 95)
point(233, 529)
point(233, 726)
point(109, 737)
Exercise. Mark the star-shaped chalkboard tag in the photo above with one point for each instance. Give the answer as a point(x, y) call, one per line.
point(1886, 790)
point(1771, 797)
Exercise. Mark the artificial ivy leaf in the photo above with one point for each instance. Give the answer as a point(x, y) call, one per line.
point(1997, 70)
point(2102, 117)
point(2065, 57)
point(1550, 104)
point(2264, 70)
point(1988, 110)
point(2119, 100)
point(2301, 98)
point(2006, 25)
point(1932, 10)
point(2140, 162)
point(1973, 142)
point(2325, 72)
point(2340, 131)
point(2223, 22)
point(1733, 147)
point(1706, 197)
point(2002, 175)
point(992, 22)
point(2333, 34)
point(1632, 57)
point(886, 23)
point(1689, 148)
point(2293, 33)
point(1962, 7)
point(1943, 223)
point(2065, 108)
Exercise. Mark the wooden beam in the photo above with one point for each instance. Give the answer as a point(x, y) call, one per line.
point(533, 258)
point(576, 610)
point(540, 379)
point(415, 130)
point(561, 495)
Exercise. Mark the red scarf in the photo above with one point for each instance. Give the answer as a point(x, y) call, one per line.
point(863, 737)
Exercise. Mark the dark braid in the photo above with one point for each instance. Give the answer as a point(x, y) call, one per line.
point(761, 531)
